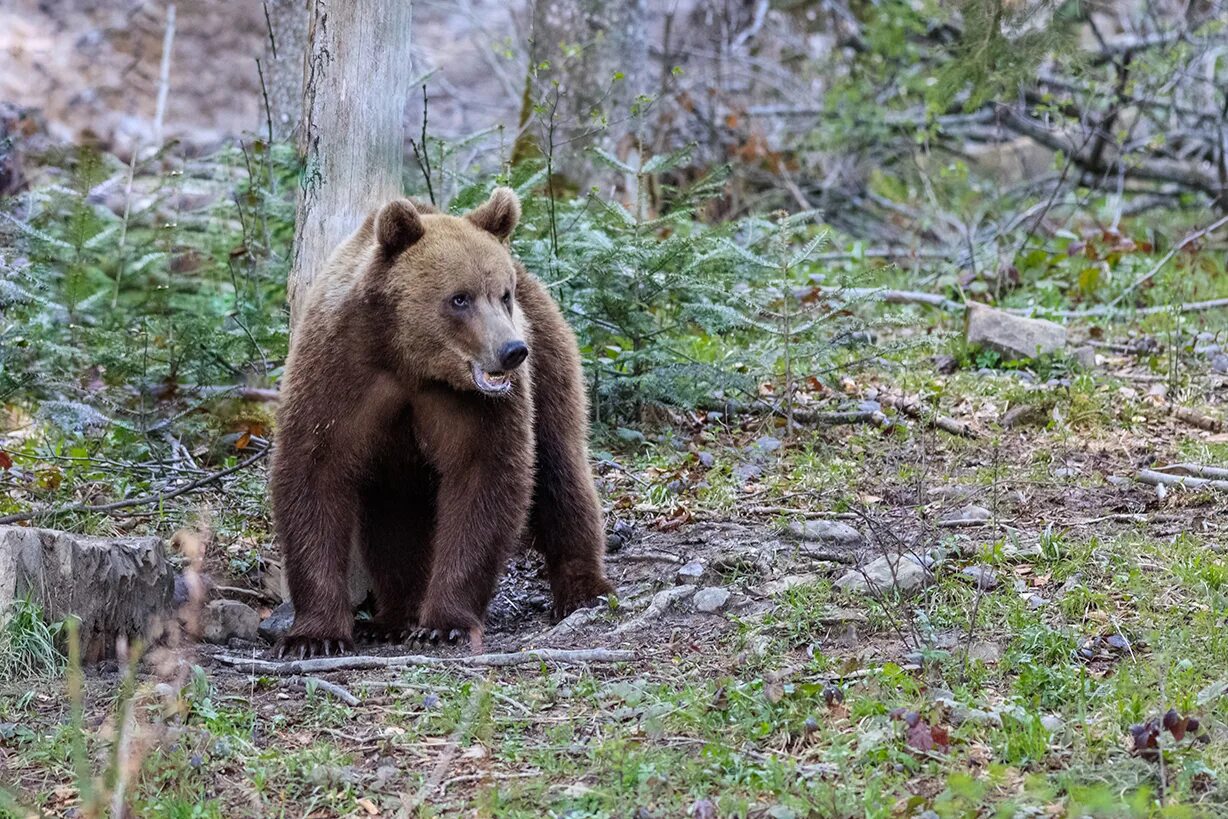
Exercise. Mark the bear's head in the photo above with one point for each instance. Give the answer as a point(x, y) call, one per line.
point(450, 284)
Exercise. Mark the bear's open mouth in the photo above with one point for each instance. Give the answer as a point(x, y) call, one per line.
point(491, 383)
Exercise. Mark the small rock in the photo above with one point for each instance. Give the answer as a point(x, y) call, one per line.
point(1207, 349)
point(958, 713)
point(703, 809)
point(945, 364)
point(969, 513)
point(784, 584)
point(691, 572)
point(274, 627)
point(827, 533)
point(711, 599)
point(1085, 356)
point(985, 651)
point(622, 534)
point(1053, 723)
point(1026, 415)
point(707, 459)
point(744, 473)
point(225, 619)
point(952, 492)
point(885, 575)
point(1013, 337)
point(1072, 583)
point(1219, 363)
point(983, 576)
point(384, 774)
point(767, 444)
point(1035, 601)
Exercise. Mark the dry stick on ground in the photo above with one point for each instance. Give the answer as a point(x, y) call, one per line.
point(324, 685)
point(1198, 419)
point(913, 409)
point(449, 753)
point(156, 497)
point(362, 662)
point(1154, 478)
point(1195, 471)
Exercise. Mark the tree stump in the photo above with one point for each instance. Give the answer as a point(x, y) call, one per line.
point(116, 587)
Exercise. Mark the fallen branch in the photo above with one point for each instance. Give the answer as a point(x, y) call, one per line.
point(156, 497)
point(1153, 478)
point(1195, 471)
point(913, 409)
point(895, 296)
point(324, 685)
point(803, 513)
point(360, 662)
point(1198, 419)
point(805, 416)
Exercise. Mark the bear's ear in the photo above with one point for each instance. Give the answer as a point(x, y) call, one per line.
point(499, 214)
point(397, 226)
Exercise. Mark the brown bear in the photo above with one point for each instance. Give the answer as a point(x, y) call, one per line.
point(432, 415)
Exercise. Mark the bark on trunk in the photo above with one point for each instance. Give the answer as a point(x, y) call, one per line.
point(585, 43)
point(353, 135)
point(284, 58)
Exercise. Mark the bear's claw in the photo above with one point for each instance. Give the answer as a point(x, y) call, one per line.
point(306, 648)
point(368, 631)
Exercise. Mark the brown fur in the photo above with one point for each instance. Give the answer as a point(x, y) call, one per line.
point(385, 444)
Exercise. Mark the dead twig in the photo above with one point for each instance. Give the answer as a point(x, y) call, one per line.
point(156, 497)
point(307, 683)
point(1198, 419)
point(1153, 478)
point(449, 753)
point(913, 409)
point(361, 662)
point(1195, 471)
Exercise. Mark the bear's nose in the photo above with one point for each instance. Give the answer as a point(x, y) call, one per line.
point(513, 355)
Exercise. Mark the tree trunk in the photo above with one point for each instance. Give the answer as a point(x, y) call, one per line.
point(284, 57)
point(353, 135)
point(597, 53)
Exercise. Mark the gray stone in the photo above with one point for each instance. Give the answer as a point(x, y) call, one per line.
point(224, 619)
point(1085, 356)
point(985, 651)
point(784, 584)
point(273, 627)
point(116, 587)
point(1035, 601)
point(711, 599)
point(1207, 349)
point(1053, 723)
point(827, 533)
point(1013, 337)
point(899, 573)
point(1073, 582)
point(691, 572)
point(744, 473)
point(983, 576)
point(969, 513)
point(1219, 363)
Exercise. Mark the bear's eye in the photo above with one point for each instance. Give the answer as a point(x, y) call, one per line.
point(507, 297)
point(460, 301)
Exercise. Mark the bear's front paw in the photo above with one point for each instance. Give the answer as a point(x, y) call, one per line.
point(438, 625)
point(304, 647)
point(580, 593)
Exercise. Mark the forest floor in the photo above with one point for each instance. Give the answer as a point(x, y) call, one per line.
point(1063, 609)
